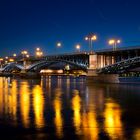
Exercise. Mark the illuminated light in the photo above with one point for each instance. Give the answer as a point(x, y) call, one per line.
point(14, 55)
point(38, 49)
point(1, 59)
point(112, 41)
point(86, 38)
point(58, 44)
point(89, 124)
point(24, 52)
point(25, 104)
point(6, 57)
point(113, 124)
point(59, 71)
point(27, 56)
point(78, 47)
point(118, 41)
point(58, 116)
point(37, 53)
point(94, 37)
point(137, 134)
point(8, 104)
point(67, 67)
point(38, 106)
point(49, 71)
point(76, 106)
point(11, 60)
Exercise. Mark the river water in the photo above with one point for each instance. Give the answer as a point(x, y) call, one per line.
point(68, 108)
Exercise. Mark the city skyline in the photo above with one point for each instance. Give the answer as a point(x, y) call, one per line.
point(26, 25)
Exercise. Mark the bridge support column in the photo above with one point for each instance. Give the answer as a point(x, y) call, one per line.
point(91, 71)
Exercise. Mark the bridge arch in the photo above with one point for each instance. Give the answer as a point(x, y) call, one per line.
point(12, 66)
point(46, 64)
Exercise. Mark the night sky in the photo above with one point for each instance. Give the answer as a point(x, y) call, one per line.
point(27, 24)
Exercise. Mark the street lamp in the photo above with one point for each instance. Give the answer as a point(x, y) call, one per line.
point(14, 55)
point(38, 52)
point(1, 60)
point(78, 47)
point(90, 38)
point(58, 45)
point(24, 53)
point(114, 43)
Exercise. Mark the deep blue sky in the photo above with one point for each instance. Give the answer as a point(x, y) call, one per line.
point(26, 24)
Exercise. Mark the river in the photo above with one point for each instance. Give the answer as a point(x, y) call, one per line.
point(68, 108)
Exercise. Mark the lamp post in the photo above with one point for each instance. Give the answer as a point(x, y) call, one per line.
point(1, 60)
point(114, 43)
point(24, 53)
point(38, 52)
point(90, 38)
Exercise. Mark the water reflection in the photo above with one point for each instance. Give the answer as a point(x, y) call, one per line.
point(38, 106)
point(113, 123)
point(76, 106)
point(58, 121)
point(8, 99)
point(25, 103)
point(70, 108)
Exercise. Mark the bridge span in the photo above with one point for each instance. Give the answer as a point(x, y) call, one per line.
point(94, 63)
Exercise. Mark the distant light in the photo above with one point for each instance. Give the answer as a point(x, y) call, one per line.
point(118, 41)
point(112, 41)
point(86, 38)
point(94, 37)
point(59, 71)
point(38, 49)
point(27, 56)
point(58, 44)
point(78, 47)
point(11, 60)
point(14, 55)
point(24, 52)
point(6, 57)
point(46, 71)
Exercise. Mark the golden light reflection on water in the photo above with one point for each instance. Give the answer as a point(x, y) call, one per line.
point(90, 126)
point(84, 119)
point(8, 98)
point(25, 103)
point(76, 107)
point(136, 134)
point(113, 124)
point(58, 121)
point(38, 106)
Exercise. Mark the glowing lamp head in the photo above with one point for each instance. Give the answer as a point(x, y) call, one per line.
point(59, 44)
point(94, 37)
point(27, 56)
point(112, 41)
point(77, 47)
point(37, 49)
point(14, 55)
point(118, 41)
point(86, 38)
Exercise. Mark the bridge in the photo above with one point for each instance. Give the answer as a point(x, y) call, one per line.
point(106, 61)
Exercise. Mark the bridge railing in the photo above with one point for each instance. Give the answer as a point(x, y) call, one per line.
point(119, 66)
